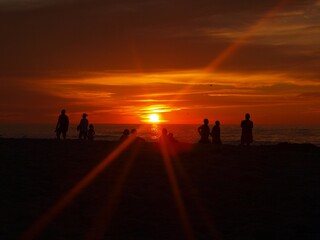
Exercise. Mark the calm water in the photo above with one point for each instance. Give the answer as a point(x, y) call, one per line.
point(230, 134)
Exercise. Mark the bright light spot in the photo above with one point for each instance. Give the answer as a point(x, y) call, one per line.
point(154, 117)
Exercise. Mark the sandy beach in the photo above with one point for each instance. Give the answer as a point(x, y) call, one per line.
point(183, 192)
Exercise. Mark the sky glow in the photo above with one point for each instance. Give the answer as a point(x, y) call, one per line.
point(120, 61)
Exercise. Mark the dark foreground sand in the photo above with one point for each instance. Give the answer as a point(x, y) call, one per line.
point(225, 192)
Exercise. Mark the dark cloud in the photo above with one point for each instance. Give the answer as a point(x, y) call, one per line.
point(95, 36)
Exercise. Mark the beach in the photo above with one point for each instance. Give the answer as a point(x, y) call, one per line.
point(181, 191)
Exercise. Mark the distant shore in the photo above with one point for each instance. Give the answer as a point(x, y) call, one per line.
point(145, 192)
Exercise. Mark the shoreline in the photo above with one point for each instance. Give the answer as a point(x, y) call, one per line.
point(255, 143)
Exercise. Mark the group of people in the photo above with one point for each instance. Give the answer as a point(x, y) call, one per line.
point(134, 134)
point(205, 133)
point(165, 137)
point(86, 130)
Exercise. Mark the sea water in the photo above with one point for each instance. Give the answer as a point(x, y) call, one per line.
point(230, 134)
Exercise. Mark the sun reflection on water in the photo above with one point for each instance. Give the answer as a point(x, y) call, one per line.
point(154, 131)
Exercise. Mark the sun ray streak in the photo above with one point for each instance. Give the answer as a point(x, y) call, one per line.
point(234, 46)
point(104, 217)
point(65, 200)
point(242, 40)
point(187, 228)
point(200, 206)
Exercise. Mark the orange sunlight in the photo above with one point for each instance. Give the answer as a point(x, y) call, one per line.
point(168, 154)
point(153, 113)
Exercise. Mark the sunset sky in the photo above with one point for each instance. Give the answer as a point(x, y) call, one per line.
point(120, 61)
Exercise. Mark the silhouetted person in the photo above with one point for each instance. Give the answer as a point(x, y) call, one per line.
point(62, 125)
point(215, 133)
point(164, 136)
point(91, 132)
point(204, 132)
point(171, 138)
point(134, 135)
point(124, 135)
point(83, 127)
point(246, 135)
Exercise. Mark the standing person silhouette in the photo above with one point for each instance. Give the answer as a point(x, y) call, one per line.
point(204, 132)
point(215, 133)
point(164, 136)
point(62, 125)
point(246, 135)
point(83, 127)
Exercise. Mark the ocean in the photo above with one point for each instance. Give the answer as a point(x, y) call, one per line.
point(230, 134)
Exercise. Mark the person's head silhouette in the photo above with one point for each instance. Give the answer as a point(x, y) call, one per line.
point(133, 132)
point(217, 123)
point(247, 116)
point(84, 115)
point(63, 111)
point(206, 121)
point(164, 131)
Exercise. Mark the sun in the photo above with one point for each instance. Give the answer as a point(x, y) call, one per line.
point(153, 118)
